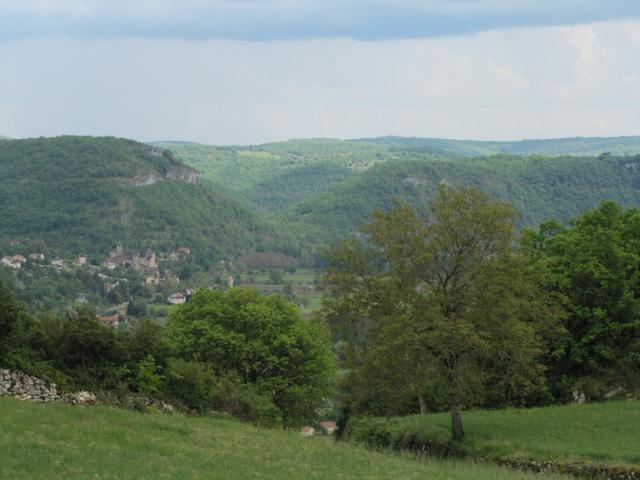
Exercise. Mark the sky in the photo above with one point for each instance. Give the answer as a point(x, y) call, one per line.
point(253, 71)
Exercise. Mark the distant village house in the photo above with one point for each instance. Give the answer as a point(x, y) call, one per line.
point(11, 262)
point(176, 299)
point(57, 263)
point(109, 320)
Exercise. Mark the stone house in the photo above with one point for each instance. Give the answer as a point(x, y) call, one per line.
point(57, 263)
point(328, 426)
point(109, 320)
point(37, 257)
point(10, 262)
point(176, 299)
point(110, 265)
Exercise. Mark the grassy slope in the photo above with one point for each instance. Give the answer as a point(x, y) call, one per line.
point(60, 441)
point(597, 432)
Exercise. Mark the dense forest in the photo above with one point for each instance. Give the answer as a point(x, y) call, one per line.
point(82, 195)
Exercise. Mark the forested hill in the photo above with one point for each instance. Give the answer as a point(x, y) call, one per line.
point(539, 187)
point(322, 189)
point(578, 146)
point(84, 195)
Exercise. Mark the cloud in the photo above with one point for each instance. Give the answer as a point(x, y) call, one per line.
point(260, 20)
point(504, 84)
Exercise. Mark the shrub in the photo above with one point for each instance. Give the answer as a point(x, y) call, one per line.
point(193, 384)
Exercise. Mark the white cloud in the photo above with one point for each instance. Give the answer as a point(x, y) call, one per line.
point(506, 84)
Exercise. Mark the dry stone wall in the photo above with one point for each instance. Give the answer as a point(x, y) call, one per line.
point(19, 384)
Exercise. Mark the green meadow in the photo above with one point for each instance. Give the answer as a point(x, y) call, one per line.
point(607, 432)
point(59, 441)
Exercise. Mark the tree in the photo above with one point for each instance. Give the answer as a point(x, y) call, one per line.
point(594, 268)
point(257, 341)
point(12, 320)
point(275, 276)
point(442, 291)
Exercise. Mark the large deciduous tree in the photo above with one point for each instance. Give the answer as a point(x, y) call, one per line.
point(439, 297)
point(259, 341)
point(594, 265)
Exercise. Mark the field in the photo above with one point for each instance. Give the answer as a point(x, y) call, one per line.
point(302, 282)
point(598, 432)
point(59, 441)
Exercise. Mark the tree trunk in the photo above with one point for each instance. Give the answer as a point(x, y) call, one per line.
point(456, 423)
point(423, 405)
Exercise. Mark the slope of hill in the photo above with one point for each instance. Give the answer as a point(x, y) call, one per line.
point(84, 195)
point(599, 433)
point(539, 187)
point(579, 146)
point(274, 176)
point(60, 441)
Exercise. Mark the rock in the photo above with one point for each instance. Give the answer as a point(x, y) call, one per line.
point(307, 431)
point(81, 398)
point(26, 387)
point(579, 397)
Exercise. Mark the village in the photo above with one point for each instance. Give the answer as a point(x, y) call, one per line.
point(129, 284)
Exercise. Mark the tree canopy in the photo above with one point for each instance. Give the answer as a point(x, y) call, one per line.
point(260, 342)
point(594, 266)
point(439, 298)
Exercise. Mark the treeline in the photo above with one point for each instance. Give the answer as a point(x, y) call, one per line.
point(446, 309)
point(238, 352)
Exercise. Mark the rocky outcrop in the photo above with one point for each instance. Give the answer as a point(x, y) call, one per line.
point(145, 179)
point(21, 385)
point(182, 173)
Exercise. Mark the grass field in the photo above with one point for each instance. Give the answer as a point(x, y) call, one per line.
point(597, 432)
point(59, 441)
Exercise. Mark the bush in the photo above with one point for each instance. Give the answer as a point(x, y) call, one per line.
point(243, 402)
point(261, 342)
point(148, 380)
point(193, 384)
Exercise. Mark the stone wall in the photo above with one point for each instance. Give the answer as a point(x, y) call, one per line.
point(18, 384)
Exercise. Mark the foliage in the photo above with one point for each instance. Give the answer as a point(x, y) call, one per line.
point(149, 380)
point(443, 297)
point(594, 266)
point(78, 195)
point(192, 383)
point(11, 319)
point(538, 187)
point(260, 341)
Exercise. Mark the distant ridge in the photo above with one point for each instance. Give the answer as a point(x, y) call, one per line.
point(577, 146)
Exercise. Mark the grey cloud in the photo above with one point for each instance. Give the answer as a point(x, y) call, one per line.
point(260, 20)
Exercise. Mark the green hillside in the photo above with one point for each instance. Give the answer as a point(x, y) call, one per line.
point(60, 441)
point(276, 175)
point(539, 187)
point(84, 195)
point(334, 184)
point(579, 146)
